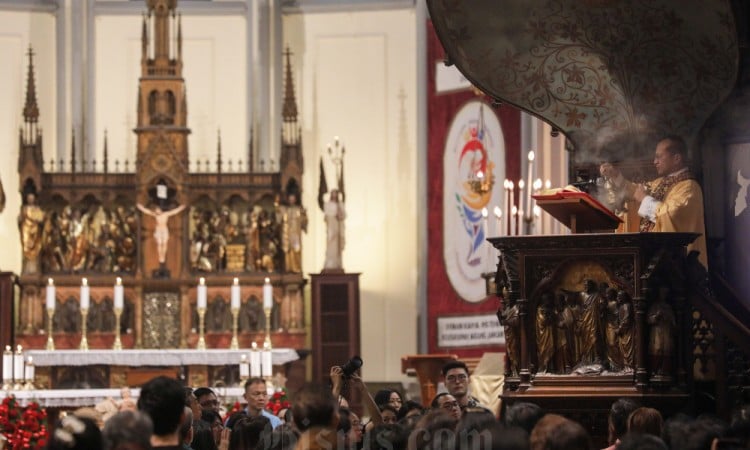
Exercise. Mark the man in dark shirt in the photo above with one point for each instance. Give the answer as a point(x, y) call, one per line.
point(163, 399)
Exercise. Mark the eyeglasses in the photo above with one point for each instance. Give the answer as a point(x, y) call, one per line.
point(449, 405)
point(455, 378)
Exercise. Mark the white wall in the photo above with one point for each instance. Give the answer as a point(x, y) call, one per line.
point(354, 73)
point(18, 30)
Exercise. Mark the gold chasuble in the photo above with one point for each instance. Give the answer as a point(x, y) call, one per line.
point(680, 209)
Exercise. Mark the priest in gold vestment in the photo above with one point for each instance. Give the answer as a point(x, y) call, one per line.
point(672, 202)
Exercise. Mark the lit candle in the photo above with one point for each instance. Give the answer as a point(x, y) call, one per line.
point(235, 294)
point(537, 185)
point(119, 294)
point(521, 201)
point(266, 363)
point(202, 294)
point(506, 206)
point(512, 207)
point(529, 182)
point(548, 184)
point(514, 216)
point(267, 294)
point(255, 361)
point(29, 375)
point(7, 364)
point(50, 294)
point(85, 300)
point(244, 366)
point(498, 221)
point(18, 368)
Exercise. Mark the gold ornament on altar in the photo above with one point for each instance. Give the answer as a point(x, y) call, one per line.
point(480, 183)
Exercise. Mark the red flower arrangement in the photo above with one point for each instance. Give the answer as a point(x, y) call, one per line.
point(24, 428)
point(278, 401)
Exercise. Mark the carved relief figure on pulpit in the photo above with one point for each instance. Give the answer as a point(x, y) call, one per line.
point(545, 328)
point(590, 331)
point(564, 335)
point(574, 310)
point(662, 326)
point(293, 224)
point(626, 330)
point(611, 325)
point(30, 222)
point(510, 321)
point(161, 230)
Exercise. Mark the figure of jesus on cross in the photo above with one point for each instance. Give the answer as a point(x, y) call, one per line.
point(161, 230)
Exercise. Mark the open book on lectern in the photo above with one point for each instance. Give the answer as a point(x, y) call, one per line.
point(577, 210)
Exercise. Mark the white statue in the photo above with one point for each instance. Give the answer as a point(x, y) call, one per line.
point(161, 230)
point(334, 214)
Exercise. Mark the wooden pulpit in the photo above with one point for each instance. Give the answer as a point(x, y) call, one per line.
point(428, 371)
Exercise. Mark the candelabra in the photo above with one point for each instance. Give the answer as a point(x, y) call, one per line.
point(234, 345)
point(50, 341)
point(201, 329)
point(84, 341)
point(118, 343)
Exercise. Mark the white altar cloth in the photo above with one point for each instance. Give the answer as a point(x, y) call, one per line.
point(76, 398)
point(152, 357)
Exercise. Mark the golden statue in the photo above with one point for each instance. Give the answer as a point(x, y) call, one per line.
point(294, 222)
point(30, 222)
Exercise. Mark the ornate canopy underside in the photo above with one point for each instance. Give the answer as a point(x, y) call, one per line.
point(610, 74)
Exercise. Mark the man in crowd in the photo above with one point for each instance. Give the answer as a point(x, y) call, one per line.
point(207, 399)
point(256, 395)
point(672, 202)
point(163, 399)
point(456, 376)
point(316, 415)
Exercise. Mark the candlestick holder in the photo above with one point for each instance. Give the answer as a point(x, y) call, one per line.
point(118, 343)
point(50, 340)
point(29, 374)
point(201, 329)
point(267, 342)
point(84, 340)
point(234, 345)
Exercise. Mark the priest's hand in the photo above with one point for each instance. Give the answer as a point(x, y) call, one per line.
point(640, 193)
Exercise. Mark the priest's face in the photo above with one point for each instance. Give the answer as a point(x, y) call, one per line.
point(665, 161)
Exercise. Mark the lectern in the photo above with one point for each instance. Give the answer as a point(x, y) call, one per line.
point(428, 370)
point(578, 211)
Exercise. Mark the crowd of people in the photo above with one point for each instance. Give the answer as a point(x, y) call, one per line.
point(169, 416)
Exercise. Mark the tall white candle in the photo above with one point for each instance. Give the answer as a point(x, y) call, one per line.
point(7, 364)
point(513, 217)
point(30, 370)
point(255, 361)
point(85, 299)
point(266, 363)
point(529, 182)
point(119, 294)
point(267, 294)
point(521, 202)
point(50, 294)
point(244, 366)
point(506, 206)
point(498, 221)
point(18, 368)
point(202, 294)
point(235, 294)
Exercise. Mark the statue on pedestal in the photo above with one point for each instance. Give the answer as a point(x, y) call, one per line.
point(626, 330)
point(334, 214)
point(662, 323)
point(30, 222)
point(294, 222)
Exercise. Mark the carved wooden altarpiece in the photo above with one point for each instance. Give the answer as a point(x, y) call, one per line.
point(81, 220)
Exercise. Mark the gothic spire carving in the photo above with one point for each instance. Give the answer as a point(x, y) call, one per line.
point(30, 109)
point(289, 112)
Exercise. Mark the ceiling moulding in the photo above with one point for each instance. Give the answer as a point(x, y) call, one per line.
point(29, 5)
point(607, 73)
point(186, 7)
point(328, 6)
